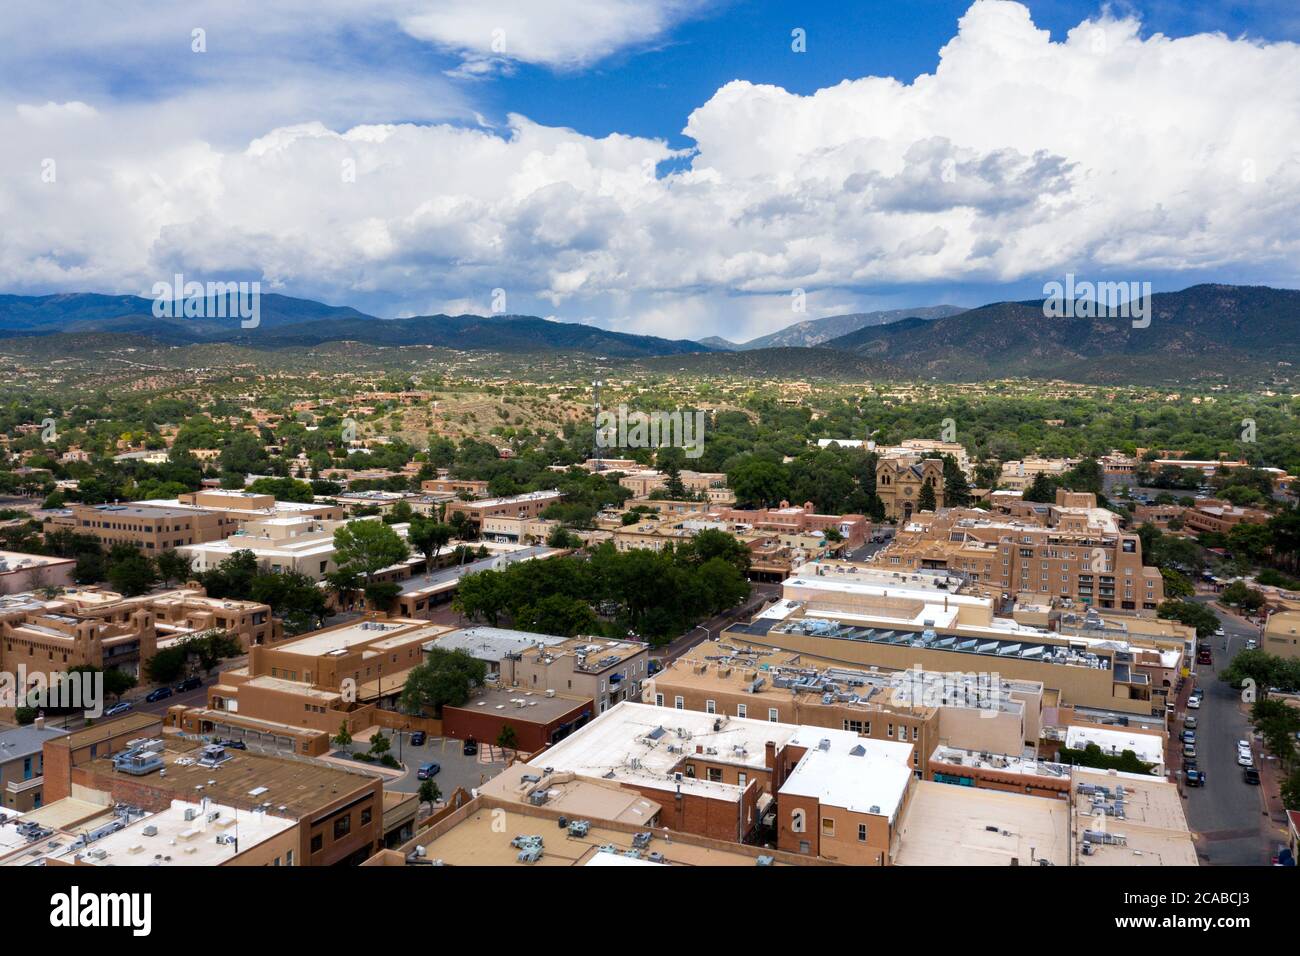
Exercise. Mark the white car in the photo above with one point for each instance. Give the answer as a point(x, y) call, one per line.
point(1194, 703)
point(1219, 633)
point(1245, 760)
point(1252, 644)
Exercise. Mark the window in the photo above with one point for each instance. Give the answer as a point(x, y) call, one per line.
point(741, 780)
point(317, 842)
point(862, 833)
point(659, 700)
point(342, 826)
point(828, 827)
point(772, 714)
point(679, 703)
point(365, 816)
point(710, 707)
point(714, 774)
point(740, 710)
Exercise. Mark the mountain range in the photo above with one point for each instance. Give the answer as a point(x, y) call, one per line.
point(1204, 331)
point(284, 322)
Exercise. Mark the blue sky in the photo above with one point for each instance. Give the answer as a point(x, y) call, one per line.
point(660, 166)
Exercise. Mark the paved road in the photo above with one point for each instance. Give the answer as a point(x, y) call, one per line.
point(760, 594)
point(1227, 813)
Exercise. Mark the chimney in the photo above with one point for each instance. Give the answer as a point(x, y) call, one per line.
point(39, 722)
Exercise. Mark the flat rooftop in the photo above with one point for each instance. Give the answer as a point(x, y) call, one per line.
point(947, 825)
point(214, 835)
point(492, 643)
point(291, 788)
point(1130, 820)
point(358, 634)
point(862, 776)
point(531, 707)
point(483, 839)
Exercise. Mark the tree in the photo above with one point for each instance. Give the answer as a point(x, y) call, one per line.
point(173, 567)
point(956, 489)
point(343, 738)
point(507, 740)
point(925, 499)
point(429, 792)
point(130, 571)
point(379, 744)
point(117, 682)
point(1041, 489)
point(1192, 614)
point(428, 537)
point(758, 483)
point(367, 547)
point(446, 678)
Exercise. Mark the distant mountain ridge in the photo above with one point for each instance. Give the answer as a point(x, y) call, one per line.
point(1200, 331)
point(285, 321)
point(820, 331)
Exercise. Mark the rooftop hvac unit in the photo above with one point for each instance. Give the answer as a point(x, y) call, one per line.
point(150, 830)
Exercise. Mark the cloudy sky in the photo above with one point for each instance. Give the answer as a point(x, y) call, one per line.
point(676, 167)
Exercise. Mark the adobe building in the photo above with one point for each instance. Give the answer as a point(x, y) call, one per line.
point(594, 668)
point(529, 505)
point(729, 778)
point(868, 618)
point(152, 528)
point(297, 694)
point(89, 626)
point(339, 813)
point(764, 683)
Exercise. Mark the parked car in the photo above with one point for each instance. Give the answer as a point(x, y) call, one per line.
point(1244, 759)
point(189, 683)
point(427, 771)
point(470, 748)
point(119, 708)
point(1194, 703)
point(1252, 644)
point(162, 693)
point(1218, 632)
point(1190, 723)
point(1189, 750)
point(417, 739)
point(1250, 775)
point(1195, 778)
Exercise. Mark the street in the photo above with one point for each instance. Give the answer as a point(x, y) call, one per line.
point(1227, 815)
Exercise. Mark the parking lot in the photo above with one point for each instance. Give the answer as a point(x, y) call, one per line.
point(457, 769)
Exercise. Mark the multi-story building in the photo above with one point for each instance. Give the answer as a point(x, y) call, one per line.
point(1019, 475)
point(1282, 634)
point(153, 528)
point(90, 627)
point(22, 764)
point(336, 815)
point(1212, 516)
point(1084, 559)
point(455, 486)
point(303, 545)
point(820, 792)
point(299, 692)
point(908, 706)
point(604, 671)
point(868, 619)
point(529, 505)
